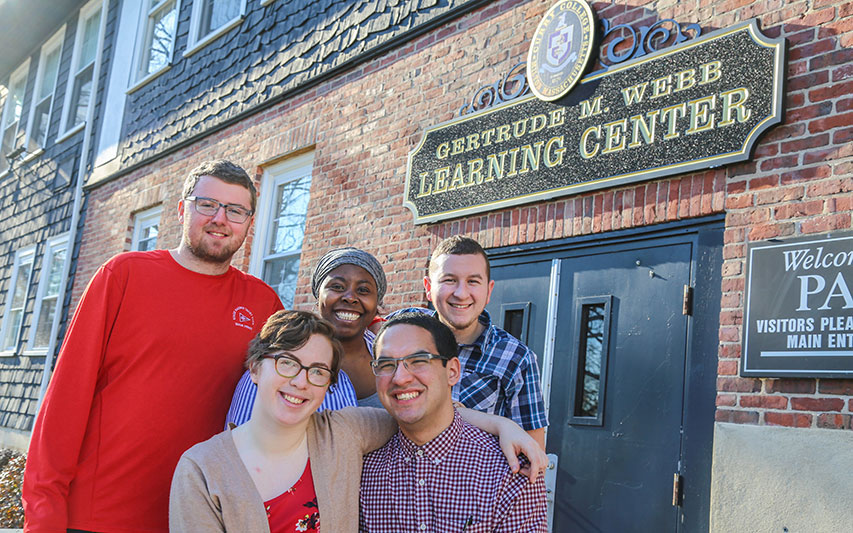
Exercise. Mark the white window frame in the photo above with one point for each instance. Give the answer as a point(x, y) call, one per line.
point(54, 245)
point(22, 257)
point(143, 47)
point(275, 175)
point(53, 44)
point(19, 74)
point(144, 220)
point(196, 43)
point(67, 128)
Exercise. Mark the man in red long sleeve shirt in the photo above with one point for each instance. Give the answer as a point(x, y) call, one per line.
point(147, 367)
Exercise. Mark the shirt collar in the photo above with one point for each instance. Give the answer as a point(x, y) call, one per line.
point(485, 337)
point(438, 447)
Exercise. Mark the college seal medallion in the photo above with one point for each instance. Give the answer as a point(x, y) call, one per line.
point(561, 49)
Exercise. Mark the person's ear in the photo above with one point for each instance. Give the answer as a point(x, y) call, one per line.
point(427, 288)
point(254, 370)
point(491, 287)
point(454, 371)
point(181, 207)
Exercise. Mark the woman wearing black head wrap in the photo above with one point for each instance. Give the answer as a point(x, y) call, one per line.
point(349, 285)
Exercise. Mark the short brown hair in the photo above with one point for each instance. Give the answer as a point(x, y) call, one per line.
point(222, 170)
point(460, 245)
point(290, 330)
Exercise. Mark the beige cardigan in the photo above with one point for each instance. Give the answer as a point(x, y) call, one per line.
point(212, 491)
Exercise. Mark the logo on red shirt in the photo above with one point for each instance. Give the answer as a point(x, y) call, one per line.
point(243, 318)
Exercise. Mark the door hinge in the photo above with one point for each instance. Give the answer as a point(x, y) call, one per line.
point(676, 489)
point(687, 303)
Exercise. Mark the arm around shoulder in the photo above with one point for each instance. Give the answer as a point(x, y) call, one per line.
point(371, 427)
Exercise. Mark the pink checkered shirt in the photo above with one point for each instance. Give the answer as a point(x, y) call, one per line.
point(459, 481)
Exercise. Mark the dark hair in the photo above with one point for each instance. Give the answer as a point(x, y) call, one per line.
point(460, 245)
point(222, 170)
point(290, 330)
point(443, 338)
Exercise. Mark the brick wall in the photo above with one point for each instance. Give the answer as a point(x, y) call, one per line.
point(363, 123)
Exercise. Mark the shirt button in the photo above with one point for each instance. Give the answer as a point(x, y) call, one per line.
point(420, 453)
point(421, 482)
point(423, 527)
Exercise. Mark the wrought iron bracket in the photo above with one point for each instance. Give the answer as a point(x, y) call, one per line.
point(649, 39)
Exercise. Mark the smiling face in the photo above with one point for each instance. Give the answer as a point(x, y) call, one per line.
point(348, 299)
point(459, 288)
point(214, 239)
point(291, 401)
point(419, 401)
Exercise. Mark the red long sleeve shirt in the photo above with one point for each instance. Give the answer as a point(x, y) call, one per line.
point(146, 370)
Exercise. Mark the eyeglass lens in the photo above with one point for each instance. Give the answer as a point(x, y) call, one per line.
point(290, 368)
point(416, 362)
point(209, 207)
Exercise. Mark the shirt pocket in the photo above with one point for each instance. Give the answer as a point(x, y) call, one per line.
point(480, 392)
point(455, 526)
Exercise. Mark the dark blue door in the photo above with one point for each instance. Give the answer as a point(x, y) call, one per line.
point(616, 423)
point(629, 369)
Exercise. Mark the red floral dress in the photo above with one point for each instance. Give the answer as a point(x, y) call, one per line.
point(296, 508)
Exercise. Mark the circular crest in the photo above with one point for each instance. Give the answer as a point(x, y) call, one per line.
point(561, 49)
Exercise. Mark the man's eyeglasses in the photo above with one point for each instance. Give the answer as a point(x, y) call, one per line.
point(209, 207)
point(289, 367)
point(414, 363)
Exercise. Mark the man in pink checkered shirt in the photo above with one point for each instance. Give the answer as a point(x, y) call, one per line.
point(438, 473)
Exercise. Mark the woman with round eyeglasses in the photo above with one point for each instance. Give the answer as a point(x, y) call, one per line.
point(289, 467)
point(349, 285)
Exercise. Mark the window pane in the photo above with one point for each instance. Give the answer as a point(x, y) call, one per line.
point(589, 360)
point(51, 69)
point(514, 323)
point(20, 293)
point(288, 227)
point(161, 33)
point(280, 274)
point(16, 307)
point(81, 95)
point(15, 102)
point(216, 13)
point(8, 144)
point(50, 297)
point(146, 229)
point(89, 45)
point(14, 319)
point(57, 262)
point(148, 238)
point(6, 147)
point(45, 322)
point(40, 123)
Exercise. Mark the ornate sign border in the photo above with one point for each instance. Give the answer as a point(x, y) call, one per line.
point(775, 116)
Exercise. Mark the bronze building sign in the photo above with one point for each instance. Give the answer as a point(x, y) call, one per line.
point(698, 105)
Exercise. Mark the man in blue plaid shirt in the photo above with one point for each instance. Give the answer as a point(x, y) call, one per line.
point(499, 373)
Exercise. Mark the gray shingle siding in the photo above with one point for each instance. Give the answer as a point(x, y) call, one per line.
point(35, 206)
point(275, 50)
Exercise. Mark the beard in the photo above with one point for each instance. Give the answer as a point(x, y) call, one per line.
point(204, 251)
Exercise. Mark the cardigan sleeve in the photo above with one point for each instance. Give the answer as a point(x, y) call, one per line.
point(191, 506)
